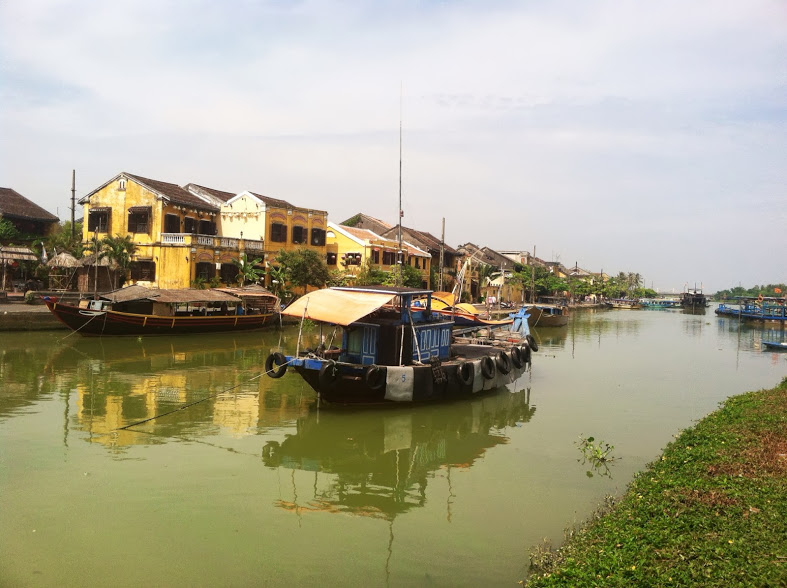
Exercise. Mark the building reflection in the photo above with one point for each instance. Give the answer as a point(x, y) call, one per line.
point(118, 382)
point(378, 463)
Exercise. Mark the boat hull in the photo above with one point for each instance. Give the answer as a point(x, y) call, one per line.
point(108, 322)
point(351, 384)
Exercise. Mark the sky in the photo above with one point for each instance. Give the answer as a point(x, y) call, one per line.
point(623, 136)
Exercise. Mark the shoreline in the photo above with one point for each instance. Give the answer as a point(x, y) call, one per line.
point(711, 511)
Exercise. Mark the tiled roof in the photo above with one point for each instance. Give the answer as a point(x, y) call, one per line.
point(422, 238)
point(13, 204)
point(283, 203)
point(364, 221)
point(174, 193)
point(218, 194)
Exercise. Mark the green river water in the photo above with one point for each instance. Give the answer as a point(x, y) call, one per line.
point(258, 487)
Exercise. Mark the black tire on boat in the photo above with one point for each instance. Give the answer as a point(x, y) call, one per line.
point(278, 359)
point(375, 377)
point(532, 342)
point(517, 357)
point(329, 375)
point(527, 355)
point(488, 368)
point(465, 373)
point(503, 362)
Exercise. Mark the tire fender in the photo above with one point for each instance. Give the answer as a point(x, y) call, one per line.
point(279, 360)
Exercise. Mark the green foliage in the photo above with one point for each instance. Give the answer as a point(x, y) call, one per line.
point(597, 452)
point(199, 283)
point(248, 273)
point(61, 240)
point(765, 290)
point(30, 297)
point(7, 230)
point(278, 277)
point(304, 267)
point(369, 276)
point(337, 277)
point(709, 513)
point(404, 275)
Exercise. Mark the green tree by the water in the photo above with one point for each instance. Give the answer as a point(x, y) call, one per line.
point(769, 290)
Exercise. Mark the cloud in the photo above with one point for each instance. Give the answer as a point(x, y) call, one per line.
point(573, 126)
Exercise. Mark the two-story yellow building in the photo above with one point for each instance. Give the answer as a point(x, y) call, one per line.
point(193, 233)
point(351, 248)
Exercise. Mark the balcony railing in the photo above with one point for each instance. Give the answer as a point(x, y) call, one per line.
point(188, 239)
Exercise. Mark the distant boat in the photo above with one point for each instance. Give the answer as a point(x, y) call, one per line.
point(547, 315)
point(764, 309)
point(659, 303)
point(463, 314)
point(694, 299)
point(624, 303)
point(137, 310)
point(776, 346)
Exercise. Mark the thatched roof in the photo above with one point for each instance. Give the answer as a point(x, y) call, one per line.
point(17, 254)
point(181, 295)
point(63, 260)
point(13, 204)
point(90, 260)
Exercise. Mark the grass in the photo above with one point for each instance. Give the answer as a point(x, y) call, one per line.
point(712, 511)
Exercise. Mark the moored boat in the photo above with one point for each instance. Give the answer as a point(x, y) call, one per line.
point(137, 310)
point(763, 309)
point(624, 303)
point(391, 352)
point(775, 345)
point(659, 303)
point(547, 315)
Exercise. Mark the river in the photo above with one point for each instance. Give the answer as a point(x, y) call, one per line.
point(257, 486)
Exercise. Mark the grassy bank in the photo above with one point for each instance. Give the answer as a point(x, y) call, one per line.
point(712, 511)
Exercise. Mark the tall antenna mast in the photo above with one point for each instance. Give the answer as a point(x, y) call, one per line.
point(73, 199)
point(399, 255)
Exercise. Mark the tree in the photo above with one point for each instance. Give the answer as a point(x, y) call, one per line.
point(304, 267)
point(405, 275)
point(248, 273)
point(119, 250)
point(61, 240)
point(7, 230)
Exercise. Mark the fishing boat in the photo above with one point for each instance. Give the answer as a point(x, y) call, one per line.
point(391, 352)
point(775, 345)
point(547, 315)
point(463, 314)
point(762, 309)
point(137, 310)
point(694, 299)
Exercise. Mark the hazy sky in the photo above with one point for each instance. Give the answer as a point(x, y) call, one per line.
point(645, 137)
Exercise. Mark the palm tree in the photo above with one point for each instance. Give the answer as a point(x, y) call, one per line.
point(118, 249)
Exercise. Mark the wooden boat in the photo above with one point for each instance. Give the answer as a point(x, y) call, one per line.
point(464, 315)
point(775, 345)
point(763, 309)
point(391, 352)
point(624, 303)
point(694, 299)
point(137, 310)
point(547, 315)
point(659, 303)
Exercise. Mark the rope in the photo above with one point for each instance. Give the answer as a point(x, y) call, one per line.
point(189, 404)
point(86, 324)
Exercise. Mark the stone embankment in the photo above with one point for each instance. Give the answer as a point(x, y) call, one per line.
point(18, 315)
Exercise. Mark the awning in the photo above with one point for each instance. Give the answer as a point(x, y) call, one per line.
point(138, 209)
point(338, 307)
point(182, 295)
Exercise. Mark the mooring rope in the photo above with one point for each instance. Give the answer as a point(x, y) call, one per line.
point(86, 324)
point(189, 404)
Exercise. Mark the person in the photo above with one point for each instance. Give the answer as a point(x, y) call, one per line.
point(223, 309)
point(239, 309)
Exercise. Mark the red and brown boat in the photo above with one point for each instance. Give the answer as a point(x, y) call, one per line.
point(137, 310)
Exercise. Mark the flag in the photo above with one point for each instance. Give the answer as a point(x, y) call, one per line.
point(777, 290)
point(43, 255)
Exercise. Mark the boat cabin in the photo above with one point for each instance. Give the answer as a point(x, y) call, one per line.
point(380, 324)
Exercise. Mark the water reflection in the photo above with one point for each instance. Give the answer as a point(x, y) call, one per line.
point(378, 462)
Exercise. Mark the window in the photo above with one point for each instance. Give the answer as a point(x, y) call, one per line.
point(98, 220)
point(330, 259)
point(318, 237)
point(229, 273)
point(376, 256)
point(172, 223)
point(143, 270)
point(122, 184)
point(279, 233)
point(299, 234)
point(206, 270)
point(389, 257)
point(351, 259)
point(139, 219)
point(207, 227)
point(189, 225)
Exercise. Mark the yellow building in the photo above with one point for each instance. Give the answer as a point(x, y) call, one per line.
point(193, 233)
point(351, 249)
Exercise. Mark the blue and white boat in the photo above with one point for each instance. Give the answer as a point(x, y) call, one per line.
point(660, 303)
point(392, 352)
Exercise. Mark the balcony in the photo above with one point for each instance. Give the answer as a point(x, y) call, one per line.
point(211, 241)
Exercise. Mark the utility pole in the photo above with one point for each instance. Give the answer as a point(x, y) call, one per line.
point(73, 199)
point(442, 253)
point(533, 277)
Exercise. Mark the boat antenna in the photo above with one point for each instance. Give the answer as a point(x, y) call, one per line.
point(399, 260)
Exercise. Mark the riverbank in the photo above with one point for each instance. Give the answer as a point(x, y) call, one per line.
point(711, 512)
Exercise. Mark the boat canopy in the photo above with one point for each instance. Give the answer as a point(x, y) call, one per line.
point(338, 307)
point(183, 295)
